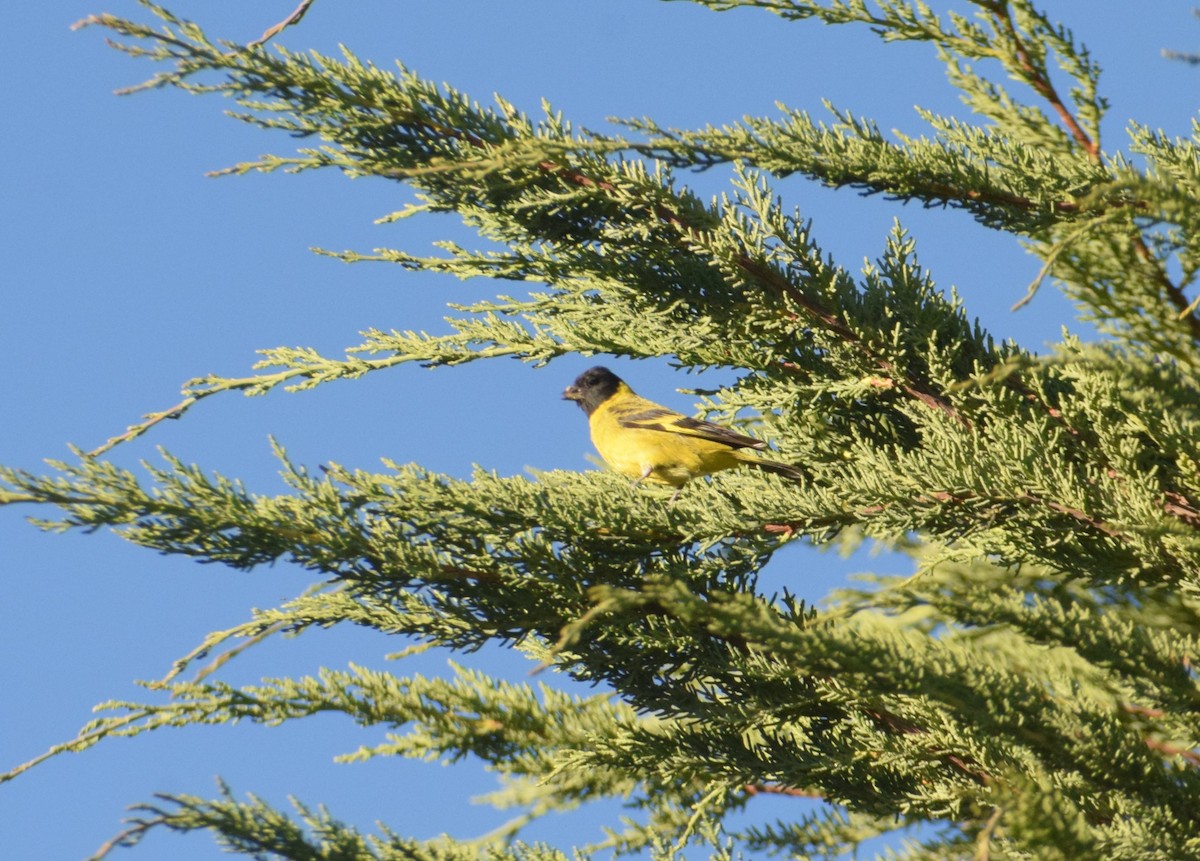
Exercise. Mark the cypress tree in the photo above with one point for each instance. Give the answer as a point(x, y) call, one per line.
point(1028, 691)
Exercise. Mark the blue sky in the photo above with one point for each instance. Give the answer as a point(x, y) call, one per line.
point(128, 271)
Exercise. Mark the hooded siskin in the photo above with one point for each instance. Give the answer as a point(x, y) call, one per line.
point(649, 442)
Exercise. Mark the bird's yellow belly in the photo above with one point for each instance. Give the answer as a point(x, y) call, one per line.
point(659, 456)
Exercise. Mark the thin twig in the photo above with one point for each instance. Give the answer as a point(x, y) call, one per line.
point(852, 516)
point(983, 842)
point(1051, 257)
point(1181, 507)
point(1189, 755)
point(127, 837)
point(151, 419)
point(776, 789)
point(1042, 85)
point(297, 13)
point(1174, 294)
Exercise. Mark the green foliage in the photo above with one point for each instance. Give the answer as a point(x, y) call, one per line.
point(1030, 689)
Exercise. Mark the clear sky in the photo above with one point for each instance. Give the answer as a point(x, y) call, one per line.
point(127, 272)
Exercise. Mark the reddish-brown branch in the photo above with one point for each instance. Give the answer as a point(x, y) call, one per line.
point(775, 789)
point(943, 498)
point(1174, 295)
point(1178, 505)
point(1187, 754)
point(1074, 513)
point(1175, 504)
point(898, 725)
point(1043, 87)
point(941, 192)
point(379, 567)
point(1032, 397)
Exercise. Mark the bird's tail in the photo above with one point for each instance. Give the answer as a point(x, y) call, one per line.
point(787, 470)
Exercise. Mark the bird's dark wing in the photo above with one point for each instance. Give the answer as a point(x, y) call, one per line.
point(663, 419)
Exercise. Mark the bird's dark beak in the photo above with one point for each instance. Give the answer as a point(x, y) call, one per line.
point(572, 393)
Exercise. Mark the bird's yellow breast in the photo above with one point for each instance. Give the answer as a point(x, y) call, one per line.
point(661, 456)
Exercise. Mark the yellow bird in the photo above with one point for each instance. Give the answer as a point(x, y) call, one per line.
point(648, 442)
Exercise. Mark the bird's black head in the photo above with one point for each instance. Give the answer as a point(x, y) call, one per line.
point(592, 388)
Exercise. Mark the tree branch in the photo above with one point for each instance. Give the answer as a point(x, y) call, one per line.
point(1175, 295)
point(299, 12)
point(775, 789)
point(1040, 81)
